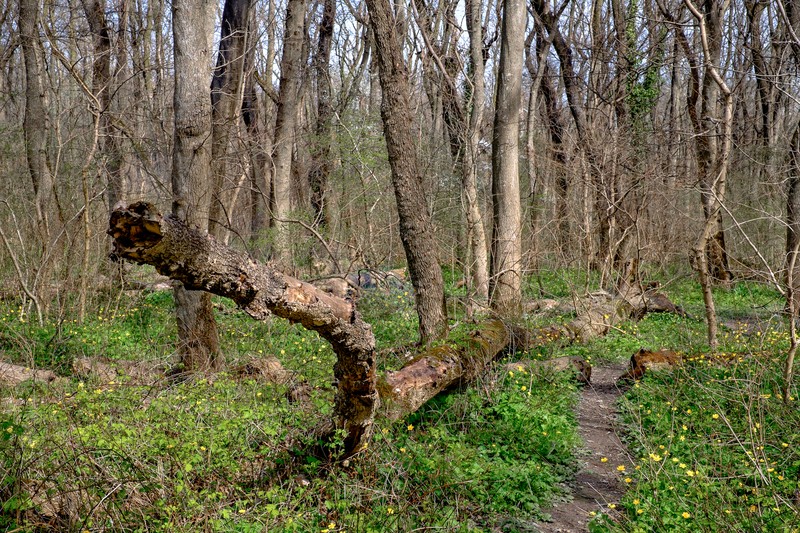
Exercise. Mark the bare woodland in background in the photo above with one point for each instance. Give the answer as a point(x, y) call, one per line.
point(516, 137)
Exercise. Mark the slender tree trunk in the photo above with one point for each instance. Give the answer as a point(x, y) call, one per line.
point(476, 233)
point(321, 164)
point(36, 119)
point(793, 217)
point(506, 275)
point(709, 141)
point(709, 251)
point(416, 227)
point(192, 26)
point(289, 94)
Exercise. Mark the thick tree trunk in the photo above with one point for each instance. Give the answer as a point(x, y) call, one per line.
point(440, 368)
point(198, 342)
point(506, 268)
point(201, 263)
point(416, 227)
point(196, 259)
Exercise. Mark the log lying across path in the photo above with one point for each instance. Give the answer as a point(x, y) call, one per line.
point(188, 255)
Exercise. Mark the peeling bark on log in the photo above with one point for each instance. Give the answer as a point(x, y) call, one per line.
point(14, 374)
point(143, 235)
point(439, 368)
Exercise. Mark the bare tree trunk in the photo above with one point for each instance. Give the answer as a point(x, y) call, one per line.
point(289, 93)
point(709, 251)
point(793, 217)
point(226, 99)
point(710, 158)
point(416, 227)
point(103, 88)
point(192, 28)
point(36, 119)
point(506, 275)
point(321, 165)
point(476, 233)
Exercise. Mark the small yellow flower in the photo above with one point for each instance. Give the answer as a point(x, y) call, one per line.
point(411, 427)
point(612, 505)
point(604, 460)
point(628, 480)
point(389, 510)
point(690, 473)
point(402, 450)
point(523, 388)
point(715, 416)
point(686, 515)
point(636, 501)
point(621, 468)
point(639, 511)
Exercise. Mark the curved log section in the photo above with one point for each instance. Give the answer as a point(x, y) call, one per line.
point(141, 234)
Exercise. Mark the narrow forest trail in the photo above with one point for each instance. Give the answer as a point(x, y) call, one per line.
point(599, 483)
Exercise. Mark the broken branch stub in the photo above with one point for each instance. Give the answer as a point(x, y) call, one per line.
point(141, 234)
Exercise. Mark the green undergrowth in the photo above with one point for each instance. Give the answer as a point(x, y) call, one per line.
point(715, 446)
point(229, 453)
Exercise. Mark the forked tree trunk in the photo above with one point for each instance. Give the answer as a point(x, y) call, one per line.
point(226, 97)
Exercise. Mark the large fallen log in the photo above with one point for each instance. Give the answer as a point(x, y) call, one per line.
point(143, 235)
point(188, 255)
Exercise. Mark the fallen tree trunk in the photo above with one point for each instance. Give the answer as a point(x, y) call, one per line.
point(13, 375)
point(188, 255)
point(143, 235)
point(441, 367)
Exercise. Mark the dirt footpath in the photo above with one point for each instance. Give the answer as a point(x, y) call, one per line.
point(599, 483)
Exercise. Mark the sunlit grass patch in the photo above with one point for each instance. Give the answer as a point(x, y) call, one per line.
point(715, 442)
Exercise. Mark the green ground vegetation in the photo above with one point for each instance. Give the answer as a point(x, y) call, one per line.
point(715, 445)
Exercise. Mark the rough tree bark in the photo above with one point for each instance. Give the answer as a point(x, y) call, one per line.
point(711, 260)
point(36, 120)
point(506, 267)
point(416, 228)
point(193, 23)
point(196, 259)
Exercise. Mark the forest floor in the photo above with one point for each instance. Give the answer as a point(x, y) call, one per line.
point(598, 484)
